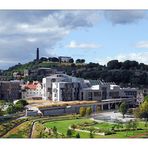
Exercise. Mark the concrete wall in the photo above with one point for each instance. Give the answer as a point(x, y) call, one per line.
point(65, 110)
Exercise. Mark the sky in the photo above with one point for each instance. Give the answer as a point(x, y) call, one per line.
point(94, 35)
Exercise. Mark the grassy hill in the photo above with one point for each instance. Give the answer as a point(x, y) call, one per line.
point(127, 73)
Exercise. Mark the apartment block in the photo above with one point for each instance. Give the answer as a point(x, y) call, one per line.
point(61, 87)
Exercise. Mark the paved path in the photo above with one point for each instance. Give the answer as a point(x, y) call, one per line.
point(32, 129)
point(86, 131)
point(111, 116)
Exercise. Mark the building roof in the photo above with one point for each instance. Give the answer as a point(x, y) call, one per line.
point(32, 85)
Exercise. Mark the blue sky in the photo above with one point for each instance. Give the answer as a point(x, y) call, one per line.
point(97, 36)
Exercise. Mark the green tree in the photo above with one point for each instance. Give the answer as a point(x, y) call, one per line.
point(77, 135)
point(128, 126)
point(91, 134)
point(19, 107)
point(11, 109)
point(78, 61)
point(82, 60)
point(71, 60)
point(55, 131)
point(88, 111)
point(136, 112)
point(123, 108)
point(134, 125)
point(73, 126)
point(82, 111)
point(1, 112)
point(69, 133)
point(114, 64)
point(144, 110)
point(146, 98)
point(98, 108)
point(2, 102)
point(22, 102)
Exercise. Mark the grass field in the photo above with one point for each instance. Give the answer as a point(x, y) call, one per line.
point(21, 131)
point(62, 127)
point(42, 127)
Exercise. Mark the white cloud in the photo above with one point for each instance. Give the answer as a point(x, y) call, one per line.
point(141, 57)
point(142, 44)
point(75, 45)
point(21, 32)
point(124, 16)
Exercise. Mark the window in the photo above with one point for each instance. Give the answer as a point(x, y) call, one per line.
point(53, 80)
point(97, 94)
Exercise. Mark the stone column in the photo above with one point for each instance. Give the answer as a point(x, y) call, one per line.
point(109, 106)
point(101, 106)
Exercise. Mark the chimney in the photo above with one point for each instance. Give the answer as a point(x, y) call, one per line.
point(37, 54)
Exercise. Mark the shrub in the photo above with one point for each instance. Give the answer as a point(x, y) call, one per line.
point(88, 111)
point(69, 133)
point(73, 126)
point(11, 109)
point(54, 130)
point(77, 135)
point(91, 134)
point(19, 107)
point(82, 111)
point(123, 108)
point(130, 111)
point(1, 112)
point(22, 102)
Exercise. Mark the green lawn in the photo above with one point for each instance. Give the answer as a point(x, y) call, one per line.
point(63, 125)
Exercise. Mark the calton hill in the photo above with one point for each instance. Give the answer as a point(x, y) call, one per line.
point(124, 122)
point(127, 73)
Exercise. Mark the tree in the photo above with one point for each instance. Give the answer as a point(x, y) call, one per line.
point(82, 111)
point(98, 108)
point(136, 112)
point(114, 64)
point(88, 111)
point(54, 59)
point(134, 124)
point(1, 112)
point(11, 109)
point(91, 134)
point(54, 129)
point(22, 102)
point(128, 126)
point(2, 102)
point(82, 60)
point(42, 59)
point(71, 60)
point(146, 98)
point(77, 135)
point(144, 110)
point(19, 107)
point(73, 126)
point(123, 108)
point(69, 133)
point(78, 61)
